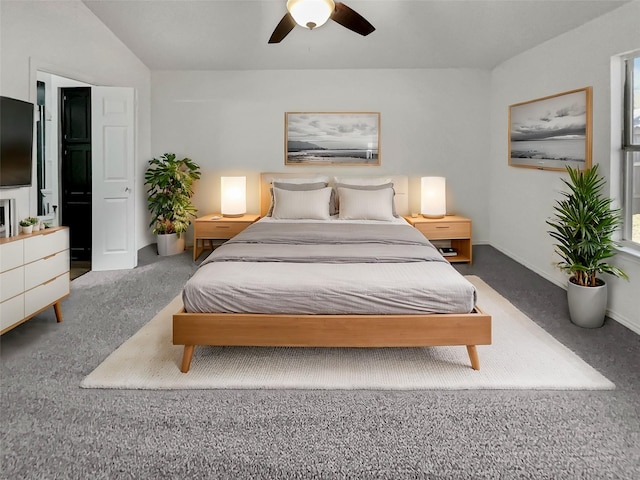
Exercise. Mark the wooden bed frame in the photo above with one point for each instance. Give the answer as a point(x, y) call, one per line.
point(268, 330)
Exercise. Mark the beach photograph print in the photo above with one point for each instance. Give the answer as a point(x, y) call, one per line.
point(552, 132)
point(332, 138)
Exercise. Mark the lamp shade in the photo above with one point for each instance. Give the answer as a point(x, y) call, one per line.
point(433, 197)
point(310, 13)
point(233, 201)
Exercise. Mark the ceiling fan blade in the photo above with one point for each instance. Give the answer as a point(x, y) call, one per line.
point(282, 30)
point(349, 18)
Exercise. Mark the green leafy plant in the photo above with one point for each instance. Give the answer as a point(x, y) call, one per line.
point(583, 226)
point(26, 222)
point(170, 188)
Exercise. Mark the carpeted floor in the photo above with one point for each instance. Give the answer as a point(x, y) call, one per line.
point(51, 428)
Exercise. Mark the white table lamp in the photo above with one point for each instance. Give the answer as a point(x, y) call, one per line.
point(433, 197)
point(233, 201)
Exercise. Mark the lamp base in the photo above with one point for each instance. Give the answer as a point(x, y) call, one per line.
point(433, 216)
point(232, 215)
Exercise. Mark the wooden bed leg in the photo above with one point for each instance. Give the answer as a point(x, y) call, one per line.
point(186, 358)
point(473, 356)
point(58, 311)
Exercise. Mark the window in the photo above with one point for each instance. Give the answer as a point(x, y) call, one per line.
point(631, 152)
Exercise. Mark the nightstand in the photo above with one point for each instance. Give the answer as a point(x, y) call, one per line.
point(222, 228)
point(454, 228)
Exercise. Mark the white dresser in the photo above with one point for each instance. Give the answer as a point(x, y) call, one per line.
point(34, 275)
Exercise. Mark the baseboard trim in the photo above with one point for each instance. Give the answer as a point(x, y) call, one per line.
point(622, 320)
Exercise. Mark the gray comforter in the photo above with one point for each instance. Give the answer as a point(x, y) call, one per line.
point(322, 243)
point(327, 268)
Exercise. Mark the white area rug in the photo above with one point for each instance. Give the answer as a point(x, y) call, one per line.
point(522, 356)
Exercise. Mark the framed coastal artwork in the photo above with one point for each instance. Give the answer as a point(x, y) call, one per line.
point(322, 138)
point(552, 132)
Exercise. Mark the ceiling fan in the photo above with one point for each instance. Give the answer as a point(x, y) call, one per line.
point(315, 13)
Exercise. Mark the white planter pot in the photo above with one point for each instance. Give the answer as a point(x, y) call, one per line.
point(587, 305)
point(170, 244)
point(28, 229)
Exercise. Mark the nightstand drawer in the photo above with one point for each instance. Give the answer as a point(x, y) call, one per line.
point(217, 229)
point(445, 230)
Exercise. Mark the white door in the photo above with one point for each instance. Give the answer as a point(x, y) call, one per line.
point(113, 172)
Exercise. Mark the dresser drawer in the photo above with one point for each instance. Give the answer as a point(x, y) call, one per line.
point(40, 271)
point(215, 229)
point(46, 294)
point(11, 311)
point(11, 283)
point(11, 255)
point(445, 230)
point(45, 244)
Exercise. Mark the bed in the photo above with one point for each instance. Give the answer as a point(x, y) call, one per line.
point(351, 273)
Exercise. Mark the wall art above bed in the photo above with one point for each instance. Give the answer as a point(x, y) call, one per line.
point(322, 138)
point(552, 132)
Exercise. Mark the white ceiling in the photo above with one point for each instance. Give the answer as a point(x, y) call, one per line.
point(232, 35)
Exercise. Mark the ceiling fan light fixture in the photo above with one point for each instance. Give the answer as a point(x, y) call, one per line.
point(310, 13)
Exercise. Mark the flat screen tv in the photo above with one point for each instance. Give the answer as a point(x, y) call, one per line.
point(16, 142)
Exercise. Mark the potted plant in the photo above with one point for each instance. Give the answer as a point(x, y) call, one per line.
point(26, 226)
point(35, 222)
point(583, 227)
point(170, 188)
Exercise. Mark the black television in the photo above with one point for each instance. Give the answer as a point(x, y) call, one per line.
point(16, 142)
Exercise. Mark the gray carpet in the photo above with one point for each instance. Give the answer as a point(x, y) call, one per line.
point(51, 428)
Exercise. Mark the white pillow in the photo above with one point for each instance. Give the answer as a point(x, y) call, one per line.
point(362, 180)
point(366, 187)
point(299, 204)
point(298, 186)
point(366, 204)
point(301, 180)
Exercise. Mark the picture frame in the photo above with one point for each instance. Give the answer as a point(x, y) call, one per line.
point(332, 138)
point(552, 132)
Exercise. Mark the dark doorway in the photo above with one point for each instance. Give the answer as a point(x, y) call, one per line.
point(76, 170)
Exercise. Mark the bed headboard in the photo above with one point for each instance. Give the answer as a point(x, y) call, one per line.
point(400, 185)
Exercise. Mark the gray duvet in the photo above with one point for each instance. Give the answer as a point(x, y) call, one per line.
point(328, 268)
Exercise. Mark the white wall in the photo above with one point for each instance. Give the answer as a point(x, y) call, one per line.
point(66, 38)
point(433, 122)
point(522, 199)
